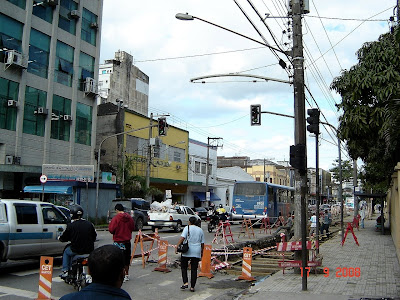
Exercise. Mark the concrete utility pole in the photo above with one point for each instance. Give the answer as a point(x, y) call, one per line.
point(149, 153)
point(300, 133)
point(208, 160)
point(355, 185)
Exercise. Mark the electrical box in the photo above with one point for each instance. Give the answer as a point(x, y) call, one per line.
point(305, 4)
point(42, 111)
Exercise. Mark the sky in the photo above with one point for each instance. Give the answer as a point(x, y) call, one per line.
point(172, 52)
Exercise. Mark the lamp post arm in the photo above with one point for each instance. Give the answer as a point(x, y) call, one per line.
point(237, 33)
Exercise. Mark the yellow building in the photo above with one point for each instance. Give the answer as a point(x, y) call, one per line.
point(269, 173)
point(168, 163)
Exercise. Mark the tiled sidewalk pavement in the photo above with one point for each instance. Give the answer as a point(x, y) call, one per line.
point(376, 258)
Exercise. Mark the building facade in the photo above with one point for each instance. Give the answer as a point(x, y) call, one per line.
point(163, 159)
point(325, 186)
point(122, 83)
point(48, 72)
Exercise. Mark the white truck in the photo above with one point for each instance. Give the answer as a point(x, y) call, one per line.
point(30, 229)
point(170, 216)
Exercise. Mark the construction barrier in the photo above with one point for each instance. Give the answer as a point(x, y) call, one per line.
point(223, 230)
point(162, 257)
point(45, 277)
point(206, 263)
point(140, 238)
point(265, 225)
point(247, 227)
point(246, 265)
point(350, 228)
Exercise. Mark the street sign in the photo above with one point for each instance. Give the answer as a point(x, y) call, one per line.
point(168, 194)
point(43, 178)
point(208, 196)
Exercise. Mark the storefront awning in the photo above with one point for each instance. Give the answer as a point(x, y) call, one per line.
point(48, 189)
point(201, 196)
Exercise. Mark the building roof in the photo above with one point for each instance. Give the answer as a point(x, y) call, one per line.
point(233, 173)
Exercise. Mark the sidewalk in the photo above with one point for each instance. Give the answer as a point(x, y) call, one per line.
point(376, 257)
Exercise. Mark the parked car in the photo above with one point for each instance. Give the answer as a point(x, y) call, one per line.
point(137, 207)
point(30, 229)
point(201, 212)
point(174, 218)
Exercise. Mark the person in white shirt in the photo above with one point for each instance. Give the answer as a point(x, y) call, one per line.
point(313, 221)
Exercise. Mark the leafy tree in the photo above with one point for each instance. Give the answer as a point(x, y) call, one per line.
point(370, 123)
point(134, 185)
point(347, 170)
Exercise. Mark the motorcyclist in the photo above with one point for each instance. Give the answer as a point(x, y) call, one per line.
point(81, 234)
point(221, 211)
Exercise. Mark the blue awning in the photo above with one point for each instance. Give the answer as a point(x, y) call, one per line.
point(48, 189)
point(201, 196)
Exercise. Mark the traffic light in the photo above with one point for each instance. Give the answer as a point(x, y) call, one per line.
point(255, 114)
point(298, 157)
point(162, 126)
point(313, 120)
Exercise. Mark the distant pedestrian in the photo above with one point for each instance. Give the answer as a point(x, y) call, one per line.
point(106, 266)
point(313, 226)
point(287, 226)
point(195, 237)
point(121, 227)
point(362, 211)
point(326, 221)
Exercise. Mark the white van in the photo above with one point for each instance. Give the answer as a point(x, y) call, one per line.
point(30, 229)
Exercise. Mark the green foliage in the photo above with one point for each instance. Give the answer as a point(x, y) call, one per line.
point(347, 170)
point(370, 123)
point(134, 185)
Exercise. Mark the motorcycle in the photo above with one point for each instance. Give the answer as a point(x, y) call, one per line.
point(78, 275)
point(213, 223)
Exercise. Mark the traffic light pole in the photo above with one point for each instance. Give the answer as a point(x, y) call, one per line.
point(300, 135)
point(149, 153)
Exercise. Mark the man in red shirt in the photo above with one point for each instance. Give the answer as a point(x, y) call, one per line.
point(121, 227)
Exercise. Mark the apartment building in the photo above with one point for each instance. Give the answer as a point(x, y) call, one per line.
point(49, 57)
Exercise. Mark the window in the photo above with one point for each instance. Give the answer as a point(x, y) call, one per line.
point(20, 3)
point(83, 127)
point(26, 213)
point(43, 11)
point(39, 53)
point(52, 216)
point(65, 21)
point(10, 35)
point(33, 122)
point(89, 29)
point(60, 128)
point(64, 67)
point(203, 168)
point(177, 154)
point(86, 68)
point(8, 115)
point(197, 167)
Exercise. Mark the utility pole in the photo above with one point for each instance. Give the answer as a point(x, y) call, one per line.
point(355, 185)
point(208, 160)
point(300, 133)
point(149, 153)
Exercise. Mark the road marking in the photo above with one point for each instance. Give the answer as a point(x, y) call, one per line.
point(167, 282)
point(171, 236)
point(18, 292)
point(143, 275)
point(25, 273)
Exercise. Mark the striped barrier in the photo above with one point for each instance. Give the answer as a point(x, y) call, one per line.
point(162, 257)
point(206, 263)
point(246, 265)
point(45, 278)
point(292, 246)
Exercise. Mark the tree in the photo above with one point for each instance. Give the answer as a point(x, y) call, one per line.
point(347, 170)
point(370, 123)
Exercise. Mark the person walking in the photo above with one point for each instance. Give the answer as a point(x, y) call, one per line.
point(195, 238)
point(313, 221)
point(121, 227)
point(362, 211)
point(326, 222)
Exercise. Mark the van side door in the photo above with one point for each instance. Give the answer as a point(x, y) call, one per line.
point(54, 224)
point(25, 231)
point(4, 230)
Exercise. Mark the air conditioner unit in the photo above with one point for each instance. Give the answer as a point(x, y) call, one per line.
point(9, 159)
point(74, 14)
point(90, 85)
point(12, 103)
point(52, 2)
point(94, 25)
point(68, 118)
point(14, 58)
point(42, 111)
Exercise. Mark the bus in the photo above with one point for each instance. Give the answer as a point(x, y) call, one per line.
point(256, 200)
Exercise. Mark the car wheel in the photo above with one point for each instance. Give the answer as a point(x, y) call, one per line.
point(178, 227)
point(139, 224)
